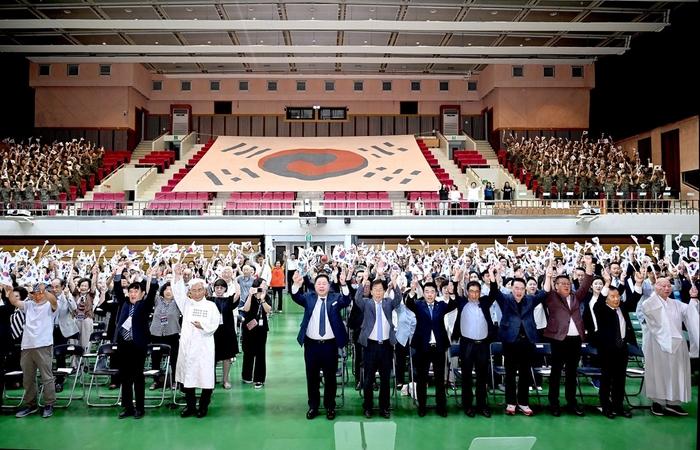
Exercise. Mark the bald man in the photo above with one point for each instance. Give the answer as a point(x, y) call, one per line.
point(667, 361)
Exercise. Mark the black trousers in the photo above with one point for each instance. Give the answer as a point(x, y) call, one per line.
point(277, 292)
point(321, 356)
point(566, 355)
point(132, 359)
point(254, 363)
point(191, 398)
point(377, 358)
point(613, 365)
point(517, 356)
point(422, 361)
point(474, 355)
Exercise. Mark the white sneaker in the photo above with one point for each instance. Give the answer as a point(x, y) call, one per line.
point(258, 385)
point(510, 410)
point(525, 410)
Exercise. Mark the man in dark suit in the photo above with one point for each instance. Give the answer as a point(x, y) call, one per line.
point(322, 333)
point(565, 332)
point(614, 333)
point(430, 342)
point(377, 338)
point(132, 337)
point(518, 333)
point(475, 331)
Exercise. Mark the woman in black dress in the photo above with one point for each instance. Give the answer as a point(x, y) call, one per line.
point(507, 192)
point(225, 338)
point(257, 306)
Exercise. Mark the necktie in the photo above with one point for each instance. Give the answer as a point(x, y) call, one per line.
point(127, 333)
point(322, 318)
point(430, 308)
point(618, 335)
point(380, 327)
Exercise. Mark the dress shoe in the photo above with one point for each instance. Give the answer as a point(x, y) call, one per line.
point(608, 413)
point(657, 409)
point(187, 412)
point(486, 413)
point(556, 411)
point(139, 413)
point(358, 386)
point(442, 413)
point(59, 388)
point(310, 414)
point(202, 412)
point(624, 413)
point(575, 410)
point(469, 412)
point(676, 410)
point(330, 414)
point(421, 412)
point(369, 413)
point(126, 413)
point(385, 413)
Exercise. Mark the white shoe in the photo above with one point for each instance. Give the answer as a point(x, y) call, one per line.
point(525, 410)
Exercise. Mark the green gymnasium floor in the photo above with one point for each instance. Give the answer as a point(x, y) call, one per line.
point(273, 418)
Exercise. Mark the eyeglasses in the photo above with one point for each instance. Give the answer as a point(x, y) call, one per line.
point(564, 284)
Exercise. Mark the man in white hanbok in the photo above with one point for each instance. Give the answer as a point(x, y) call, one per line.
point(195, 363)
point(667, 360)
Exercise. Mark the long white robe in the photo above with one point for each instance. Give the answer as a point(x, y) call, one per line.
point(195, 362)
point(666, 357)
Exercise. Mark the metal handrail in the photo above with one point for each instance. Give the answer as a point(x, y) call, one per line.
point(368, 208)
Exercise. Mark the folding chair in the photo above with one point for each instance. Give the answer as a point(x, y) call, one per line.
point(456, 368)
point(587, 372)
point(10, 377)
point(496, 351)
point(636, 372)
point(543, 350)
point(65, 351)
point(342, 375)
point(103, 368)
point(163, 371)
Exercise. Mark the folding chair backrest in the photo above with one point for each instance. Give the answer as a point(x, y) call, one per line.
point(64, 350)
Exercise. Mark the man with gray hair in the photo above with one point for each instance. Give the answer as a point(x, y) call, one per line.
point(666, 357)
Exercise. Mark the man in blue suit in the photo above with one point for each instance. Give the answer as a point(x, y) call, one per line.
point(322, 333)
point(474, 330)
point(377, 338)
point(518, 333)
point(430, 342)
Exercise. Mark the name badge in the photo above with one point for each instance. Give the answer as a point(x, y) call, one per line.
point(334, 303)
point(163, 320)
point(221, 319)
point(127, 324)
point(261, 322)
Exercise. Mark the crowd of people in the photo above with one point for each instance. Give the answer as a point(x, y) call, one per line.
point(592, 166)
point(35, 172)
point(373, 301)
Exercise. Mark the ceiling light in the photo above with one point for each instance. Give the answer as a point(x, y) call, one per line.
point(66, 11)
point(313, 41)
point(372, 10)
point(365, 42)
point(417, 43)
point(493, 13)
point(261, 41)
point(156, 42)
point(250, 8)
point(208, 42)
point(128, 10)
point(104, 43)
point(527, 39)
point(189, 9)
point(433, 11)
point(553, 13)
point(311, 9)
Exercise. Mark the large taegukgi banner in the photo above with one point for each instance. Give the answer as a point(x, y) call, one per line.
point(375, 163)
